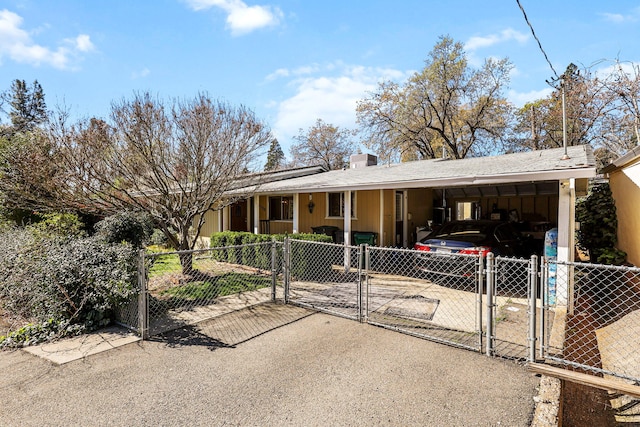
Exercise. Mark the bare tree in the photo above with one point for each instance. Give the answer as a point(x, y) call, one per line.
point(447, 104)
point(173, 161)
point(323, 144)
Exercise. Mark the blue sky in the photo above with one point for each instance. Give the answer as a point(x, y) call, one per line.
point(291, 61)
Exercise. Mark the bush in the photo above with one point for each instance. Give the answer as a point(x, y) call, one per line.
point(58, 224)
point(599, 225)
point(308, 259)
point(130, 227)
point(158, 238)
point(74, 283)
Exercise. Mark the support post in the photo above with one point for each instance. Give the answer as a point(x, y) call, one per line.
point(347, 230)
point(361, 251)
point(287, 268)
point(256, 214)
point(491, 277)
point(480, 279)
point(533, 300)
point(274, 269)
point(143, 305)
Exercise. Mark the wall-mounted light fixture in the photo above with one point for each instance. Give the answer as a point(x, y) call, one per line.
point(311, 205)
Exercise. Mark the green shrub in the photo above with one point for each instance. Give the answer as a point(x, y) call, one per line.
point(73, 282)
point(259, 256)
point(158, 238)
point(130, 227)
point(58, 224)
point(599, 225)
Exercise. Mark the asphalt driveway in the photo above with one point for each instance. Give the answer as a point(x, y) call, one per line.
point(319, 370)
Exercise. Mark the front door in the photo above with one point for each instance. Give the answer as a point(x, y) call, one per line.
point(238, 212)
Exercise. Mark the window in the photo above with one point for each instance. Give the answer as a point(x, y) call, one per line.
point(335, 205)
point(281, 208)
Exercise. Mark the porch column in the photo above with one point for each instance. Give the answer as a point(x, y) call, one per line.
point(405, 222)
point(256, 214)
point(225, 218)
point(347, 229)
point(381, 226)
point(566, 240)
point(296, 212)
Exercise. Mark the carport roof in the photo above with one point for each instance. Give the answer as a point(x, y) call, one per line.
point(532, 166)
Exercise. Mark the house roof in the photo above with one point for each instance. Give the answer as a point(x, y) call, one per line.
point(542, 165)
point(623, 160)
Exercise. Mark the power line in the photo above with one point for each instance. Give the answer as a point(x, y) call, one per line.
point(536, 37)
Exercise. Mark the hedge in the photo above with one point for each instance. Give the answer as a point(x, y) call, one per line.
point(310, 261)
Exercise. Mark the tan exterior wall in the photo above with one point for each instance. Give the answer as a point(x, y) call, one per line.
point(530, 208)
point(318, 217)
point(367, 208)
point(420, 207)
point(625, 186)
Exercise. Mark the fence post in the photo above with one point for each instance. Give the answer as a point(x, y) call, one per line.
point(491, 280)
point(286, 252)
point(361, 251)
point(543, 305)
point(367, 267)
point(143, 303)
point(479, 293)
point(533, 300)
point(274, 271)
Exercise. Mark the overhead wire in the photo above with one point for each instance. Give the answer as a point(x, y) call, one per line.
point(537, 40)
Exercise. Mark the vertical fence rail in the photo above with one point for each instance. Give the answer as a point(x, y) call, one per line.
point(274, 269)
point(533, 299)
point(286, 261)
point(143, 301)
point(481, 276)
point(491, 285)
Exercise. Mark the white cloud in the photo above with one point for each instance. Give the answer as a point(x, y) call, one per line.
point(478, 42)
point(83, 43)
point(241, 18)
point(17, 45)
point(140, 74)
point(519, 99)
point(331, 97)
point(619, 18)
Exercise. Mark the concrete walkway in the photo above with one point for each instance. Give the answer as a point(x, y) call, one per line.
point(319, 370)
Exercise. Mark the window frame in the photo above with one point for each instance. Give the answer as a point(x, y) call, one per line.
point(279, 200)
point(341, 205)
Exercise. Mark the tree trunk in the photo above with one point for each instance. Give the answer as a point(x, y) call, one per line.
point(186, 262)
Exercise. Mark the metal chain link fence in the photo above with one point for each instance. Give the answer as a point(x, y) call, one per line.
point(602, 323)
point(582, 316)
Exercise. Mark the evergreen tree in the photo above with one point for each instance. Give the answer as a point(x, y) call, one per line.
point(275, 156)
point(27, 105)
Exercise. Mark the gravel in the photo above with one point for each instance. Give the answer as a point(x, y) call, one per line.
point(320, 370)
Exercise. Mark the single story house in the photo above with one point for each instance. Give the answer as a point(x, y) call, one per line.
point(624, 180)
point(395, 201)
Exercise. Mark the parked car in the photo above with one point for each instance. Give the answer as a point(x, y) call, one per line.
point(476, 237)
point(452, 251)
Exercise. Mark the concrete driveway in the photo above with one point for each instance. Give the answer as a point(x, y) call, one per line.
point(318, 370)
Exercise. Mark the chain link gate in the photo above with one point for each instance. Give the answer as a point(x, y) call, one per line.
point(324, 276)
point(513, 307)
point(429, 295)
